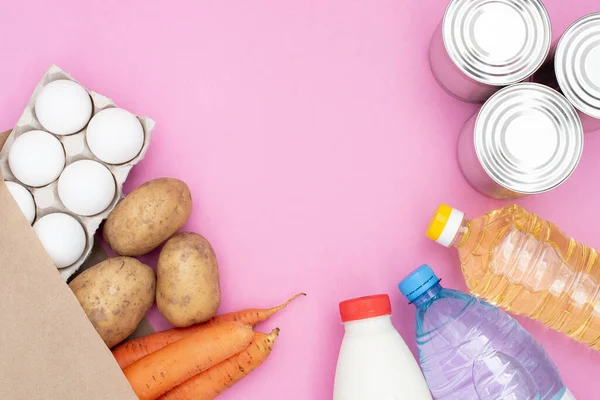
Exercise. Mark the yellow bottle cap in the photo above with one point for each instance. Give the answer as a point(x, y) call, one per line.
point(444, 224)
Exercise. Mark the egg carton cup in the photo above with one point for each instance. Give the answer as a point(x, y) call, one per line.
point(46, 198)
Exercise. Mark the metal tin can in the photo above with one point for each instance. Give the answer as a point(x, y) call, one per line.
point(526, 139)
point(483, 45)
point(574, 69)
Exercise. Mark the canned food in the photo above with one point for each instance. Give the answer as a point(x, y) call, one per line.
point(574, 69)
point(483, 45)
point(526, 139)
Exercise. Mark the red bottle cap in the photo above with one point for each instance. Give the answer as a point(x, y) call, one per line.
point(365, 307)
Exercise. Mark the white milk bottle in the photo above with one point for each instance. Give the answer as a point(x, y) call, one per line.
point(374, 362)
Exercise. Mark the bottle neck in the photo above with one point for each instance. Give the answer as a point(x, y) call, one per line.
point(369, 325)
point(428, 296)
point(462, 234)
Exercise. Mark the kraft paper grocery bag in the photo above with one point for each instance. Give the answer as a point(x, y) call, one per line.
point(48, 348)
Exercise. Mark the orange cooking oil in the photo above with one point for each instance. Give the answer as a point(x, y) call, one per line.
point(526, 265)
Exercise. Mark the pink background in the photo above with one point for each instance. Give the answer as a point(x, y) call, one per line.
point(316, 144)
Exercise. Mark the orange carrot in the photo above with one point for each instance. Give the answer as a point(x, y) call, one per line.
point(209, 384)
point(161, 371)
point(129, 352)
point(252, 316)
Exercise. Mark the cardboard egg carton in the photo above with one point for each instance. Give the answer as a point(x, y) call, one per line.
point(46, 198)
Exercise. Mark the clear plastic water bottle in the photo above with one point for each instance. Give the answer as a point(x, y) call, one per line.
point(469, 349)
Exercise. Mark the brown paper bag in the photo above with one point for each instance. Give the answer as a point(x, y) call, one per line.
point(48, 348)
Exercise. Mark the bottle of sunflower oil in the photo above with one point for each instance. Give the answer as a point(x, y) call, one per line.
point(526, 265)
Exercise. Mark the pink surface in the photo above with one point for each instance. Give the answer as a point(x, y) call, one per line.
point(315, 142)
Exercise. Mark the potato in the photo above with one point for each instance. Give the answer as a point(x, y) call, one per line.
point(115, 294)
point(148, 216)
point(188, 290)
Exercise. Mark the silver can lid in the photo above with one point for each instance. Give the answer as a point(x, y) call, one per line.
point(497, 42)
point(528, 138)
point(577, 64)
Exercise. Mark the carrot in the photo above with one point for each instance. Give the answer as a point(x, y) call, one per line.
point(129, 352)
point(161, 371)
point(252, 316)
point(214, 381)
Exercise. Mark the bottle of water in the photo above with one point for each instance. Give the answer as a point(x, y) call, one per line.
point(469, 349)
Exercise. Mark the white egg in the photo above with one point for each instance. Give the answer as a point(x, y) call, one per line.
point(86, 187)
point(115, 136)
point(63, 107)
point(63, 238)
point(36, 158)
point(24, 199)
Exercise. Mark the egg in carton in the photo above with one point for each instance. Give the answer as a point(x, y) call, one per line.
point(61, 192)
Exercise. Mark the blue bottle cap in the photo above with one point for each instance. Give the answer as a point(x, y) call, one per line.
point(418, 282)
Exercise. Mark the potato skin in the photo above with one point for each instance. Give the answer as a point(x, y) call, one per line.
point(115, 294)
point(188, 289)
point(148, 216)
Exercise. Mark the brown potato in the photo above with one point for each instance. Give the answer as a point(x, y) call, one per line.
point(115, 294)
point(188, 289)
point(148, 216)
